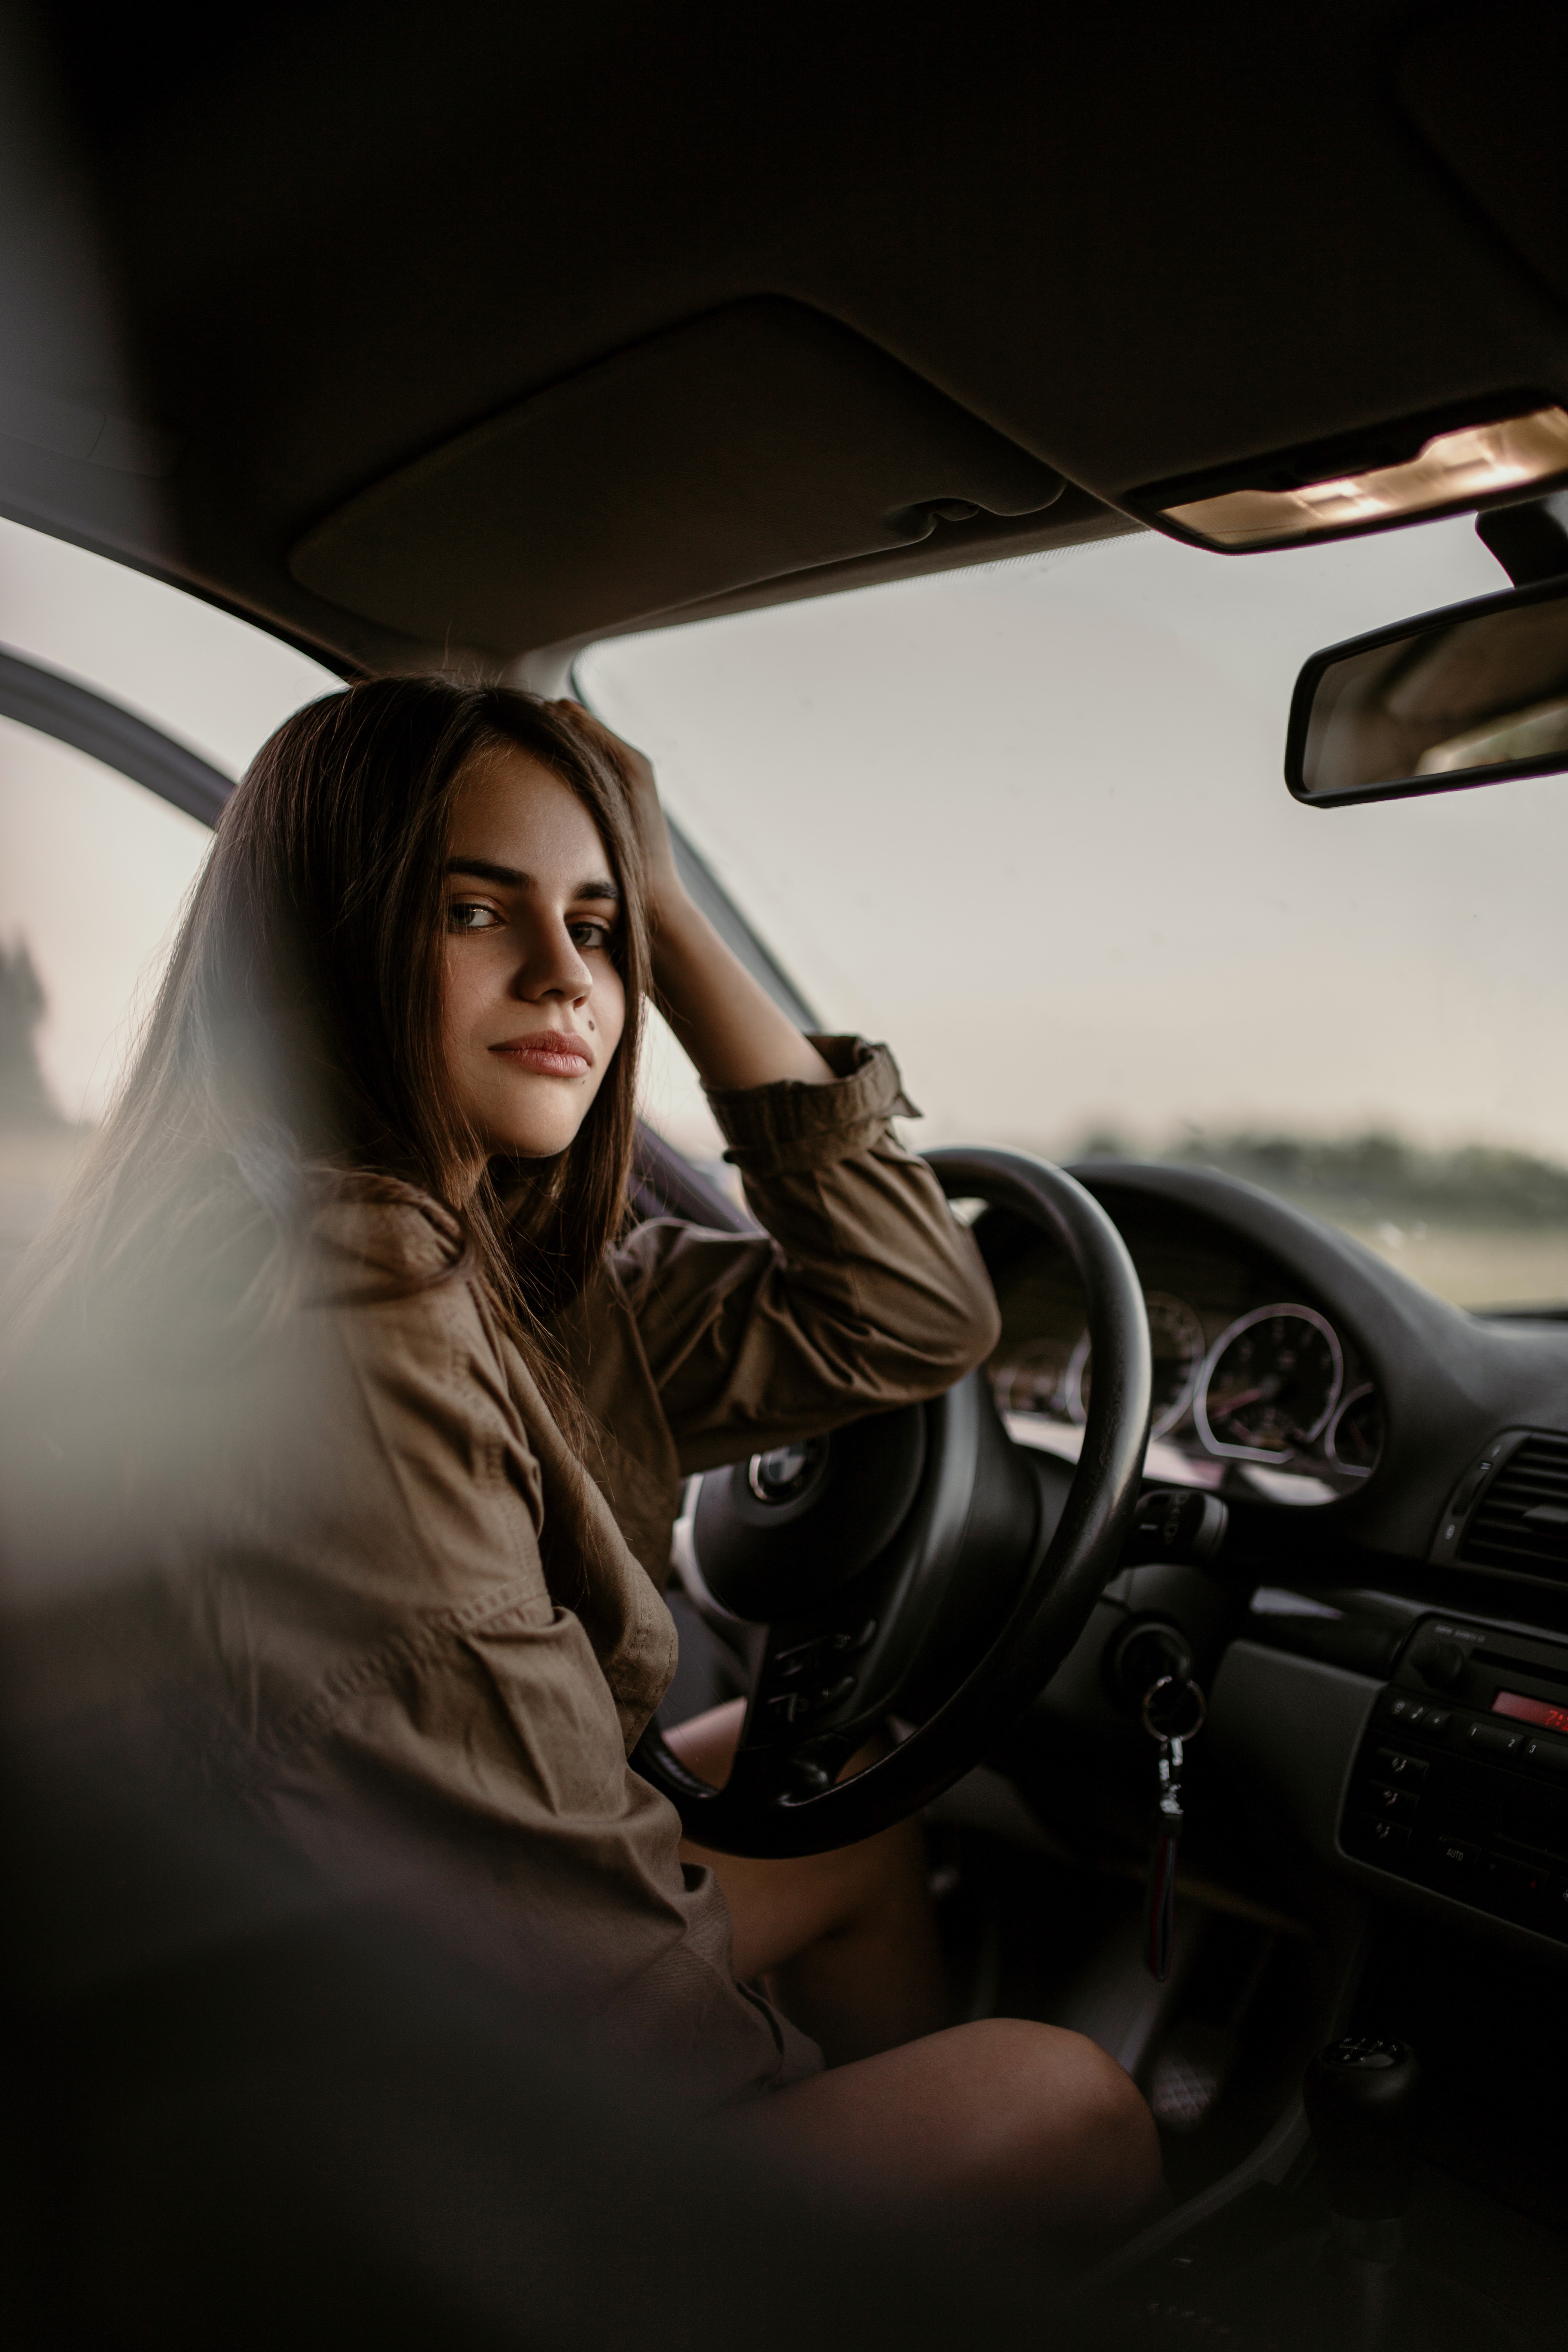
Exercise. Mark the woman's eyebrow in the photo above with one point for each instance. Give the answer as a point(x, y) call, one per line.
point(512, 877)
point(484, 869)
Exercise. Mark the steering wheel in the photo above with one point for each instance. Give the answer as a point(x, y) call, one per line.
point(916, 1564)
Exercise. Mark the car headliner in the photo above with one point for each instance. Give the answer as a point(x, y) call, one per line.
point(258, 262)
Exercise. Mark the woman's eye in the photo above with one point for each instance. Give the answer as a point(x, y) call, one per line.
point(589, 934)
point(470, 915)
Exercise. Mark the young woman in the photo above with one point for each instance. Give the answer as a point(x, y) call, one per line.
point(341, 1363)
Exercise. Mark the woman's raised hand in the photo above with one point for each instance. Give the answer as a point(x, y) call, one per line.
point(729, 1025)
point(666, 891)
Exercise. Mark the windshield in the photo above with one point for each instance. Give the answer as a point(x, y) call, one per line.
point(1027, 823)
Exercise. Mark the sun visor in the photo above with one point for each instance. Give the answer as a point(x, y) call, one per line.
point(760, 440)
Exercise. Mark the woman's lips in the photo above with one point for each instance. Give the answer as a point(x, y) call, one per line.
point(553, 1053)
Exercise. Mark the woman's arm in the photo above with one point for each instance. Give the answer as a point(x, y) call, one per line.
point(734, 1032)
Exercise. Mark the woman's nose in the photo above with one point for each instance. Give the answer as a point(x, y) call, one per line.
point(552, 967)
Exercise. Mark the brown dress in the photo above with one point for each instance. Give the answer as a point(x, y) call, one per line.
point(439, 1639)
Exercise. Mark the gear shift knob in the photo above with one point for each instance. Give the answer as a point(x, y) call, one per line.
point(1359, 2093)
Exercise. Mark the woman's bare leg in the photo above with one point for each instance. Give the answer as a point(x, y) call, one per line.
point(846, 1942)
point(1003, 2127)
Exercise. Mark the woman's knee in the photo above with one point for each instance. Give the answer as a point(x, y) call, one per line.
point(1091, 2143)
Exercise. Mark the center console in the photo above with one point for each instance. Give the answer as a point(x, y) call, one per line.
point(1461, 1782)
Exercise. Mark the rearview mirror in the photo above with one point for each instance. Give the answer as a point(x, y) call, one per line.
point(1467, 696)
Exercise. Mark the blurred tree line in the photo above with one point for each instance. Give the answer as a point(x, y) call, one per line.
point(1369, 1177)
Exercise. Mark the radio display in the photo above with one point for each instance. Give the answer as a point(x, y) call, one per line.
point(1531, 1711)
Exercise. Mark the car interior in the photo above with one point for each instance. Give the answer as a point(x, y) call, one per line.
point(509, 342)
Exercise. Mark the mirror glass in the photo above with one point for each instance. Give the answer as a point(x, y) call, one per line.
point(1464, 697)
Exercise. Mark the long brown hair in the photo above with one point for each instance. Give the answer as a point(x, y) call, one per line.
point(295, 1044)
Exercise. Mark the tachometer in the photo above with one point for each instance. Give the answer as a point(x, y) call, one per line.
point(1176, 1344)
point(1270, 1384)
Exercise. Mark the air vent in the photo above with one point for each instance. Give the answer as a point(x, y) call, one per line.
point(1521, 1523)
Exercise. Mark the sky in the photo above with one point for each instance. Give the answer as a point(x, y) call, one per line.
point(1027, 822)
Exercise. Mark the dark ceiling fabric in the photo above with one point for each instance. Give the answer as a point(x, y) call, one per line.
point(1134, 243)
point(1488, 91)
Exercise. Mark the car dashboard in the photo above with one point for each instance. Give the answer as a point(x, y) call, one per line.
point(1384, 1633)
point(1256, 1388)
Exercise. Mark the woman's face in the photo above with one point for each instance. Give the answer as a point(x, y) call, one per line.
point(533, 1004)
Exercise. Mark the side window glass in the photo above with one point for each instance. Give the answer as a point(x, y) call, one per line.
point(94, 872)
point(671, 1099)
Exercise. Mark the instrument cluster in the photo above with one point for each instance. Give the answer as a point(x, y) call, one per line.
point(1256, 1391)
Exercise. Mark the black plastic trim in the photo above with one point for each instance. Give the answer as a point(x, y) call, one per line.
point(736, 933)
point(72, 713)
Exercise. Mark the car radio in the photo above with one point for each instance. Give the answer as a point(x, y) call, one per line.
point(1461, 1782)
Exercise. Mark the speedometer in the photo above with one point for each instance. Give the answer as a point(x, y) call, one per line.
point(1031, 1379)
point(1270, 1384)
point(1176, 1346)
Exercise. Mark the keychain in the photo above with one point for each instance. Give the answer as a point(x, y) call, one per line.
point(1173, 1714)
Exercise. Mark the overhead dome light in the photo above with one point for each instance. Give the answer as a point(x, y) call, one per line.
point(1467, 466)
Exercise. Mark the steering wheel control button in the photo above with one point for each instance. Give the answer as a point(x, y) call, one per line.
point(831, 1695)
point(860, 1639)
point(802, 1659)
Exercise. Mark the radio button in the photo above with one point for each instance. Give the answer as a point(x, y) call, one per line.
point(1389, 1839)
point(1397, 1766)
point(1549, 1755)
point(1495, 1739)
point(1516, 1882)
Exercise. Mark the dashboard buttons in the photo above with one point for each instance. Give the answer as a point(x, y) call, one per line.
point(1389, 1838)
point(1455, 1857)
point(1481, 1816)
point(1523, 1883)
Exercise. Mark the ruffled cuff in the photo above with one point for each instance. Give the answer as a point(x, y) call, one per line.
point(784, 1129)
